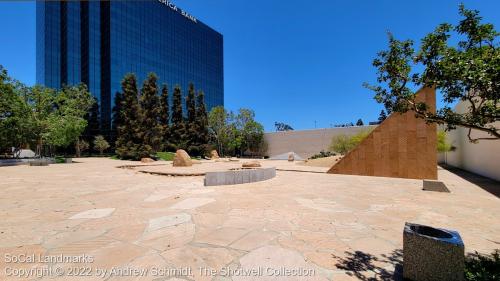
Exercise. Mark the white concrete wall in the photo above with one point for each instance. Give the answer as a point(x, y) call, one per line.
point(306, 142)
point(482, 158)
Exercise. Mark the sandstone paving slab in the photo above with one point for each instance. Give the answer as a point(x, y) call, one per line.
point(222, 236)
point(254, 240)
point(197, 258)
point(93, 214)
point(169, 237)
point(117, 254)
point(278, 264)
point(166, 221)
point(128, 233)
point(162, 194)
point(192, 203)
point(68, 237)
point(209, 220)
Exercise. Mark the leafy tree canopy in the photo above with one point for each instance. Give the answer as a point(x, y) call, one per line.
point(466, 71)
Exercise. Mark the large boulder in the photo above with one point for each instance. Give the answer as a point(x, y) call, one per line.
point(182, 159)
point(147, 160)
point(251, 164)
point(214, 154)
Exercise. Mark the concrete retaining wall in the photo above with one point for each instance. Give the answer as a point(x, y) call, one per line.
point(306, 143)
point(239, 176)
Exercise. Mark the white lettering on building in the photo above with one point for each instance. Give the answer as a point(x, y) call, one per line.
point(178, 10)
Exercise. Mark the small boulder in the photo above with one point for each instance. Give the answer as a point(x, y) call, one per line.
point(251, 164)
point(291, 157)
point(214, 154)
point(182, 159)
point(147, 160)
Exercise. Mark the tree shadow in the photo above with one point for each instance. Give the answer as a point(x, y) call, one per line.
point(367, 267)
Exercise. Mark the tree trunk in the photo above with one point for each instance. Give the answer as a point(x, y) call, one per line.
point(77, 148)
point(39, 148)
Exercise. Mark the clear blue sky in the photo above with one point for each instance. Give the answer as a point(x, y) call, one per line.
point(292, 61)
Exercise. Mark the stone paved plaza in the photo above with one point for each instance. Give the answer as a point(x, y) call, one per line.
point(320, 226)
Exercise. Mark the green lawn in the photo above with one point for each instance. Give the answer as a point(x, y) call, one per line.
point(167, 156)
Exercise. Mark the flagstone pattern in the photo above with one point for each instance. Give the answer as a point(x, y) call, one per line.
point(308, 222)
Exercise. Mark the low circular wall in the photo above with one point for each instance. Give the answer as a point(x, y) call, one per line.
point(239, 176)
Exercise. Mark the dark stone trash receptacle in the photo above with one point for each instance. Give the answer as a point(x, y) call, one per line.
point(432, 254)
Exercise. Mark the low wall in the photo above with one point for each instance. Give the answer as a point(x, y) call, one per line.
point(239, 176)
point(306, 143)
point(481, 158)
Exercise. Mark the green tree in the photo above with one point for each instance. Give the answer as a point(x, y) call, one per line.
point(218, 129)
point(191, 128)
point(202, 123)
point(360, 122)
point(66, 122)
point(130, 136)
point(466, 71)
point(93, 128)
point(41, 102)
point(150, 107)
point(15, 122)
point(236, 134)
point(281, 127)
point(117, 118)
point(382, 116)
point(344, 143)
point(178, 127)
point(83, 145)
point(41, 116)
point(100, 144)
point(251, 132)
point(165, 118)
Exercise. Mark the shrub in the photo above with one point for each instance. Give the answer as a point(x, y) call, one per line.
point(100, 144)
point(323, 154)
point(442, 143)
point(345, 143)
point(482, 267)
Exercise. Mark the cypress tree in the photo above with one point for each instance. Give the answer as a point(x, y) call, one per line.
point(129, 143)
point(191, 130)
point(165, 118)
point(178, 129)
point(382, 116)
point(150, 108)
point(201, 123)
point(117, 116)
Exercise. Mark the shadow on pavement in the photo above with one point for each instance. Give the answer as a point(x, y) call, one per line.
point(485, 183)
point(367, 267)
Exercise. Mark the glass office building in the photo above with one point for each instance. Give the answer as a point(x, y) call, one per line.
point(97, 43)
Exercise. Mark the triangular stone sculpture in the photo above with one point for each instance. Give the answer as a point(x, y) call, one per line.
point(402, 146)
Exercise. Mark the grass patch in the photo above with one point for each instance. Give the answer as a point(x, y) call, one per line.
point(114, 157)
point(166, 156)
point(60, 159)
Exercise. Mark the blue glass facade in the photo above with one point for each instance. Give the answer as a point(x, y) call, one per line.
point(99, 42)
